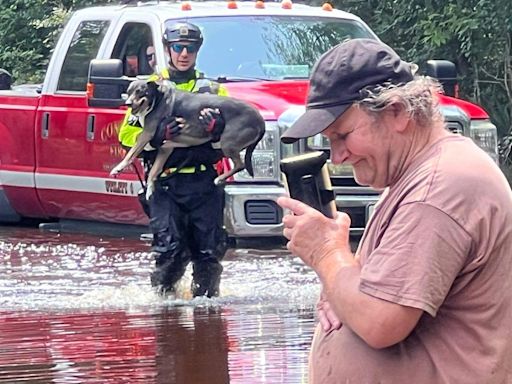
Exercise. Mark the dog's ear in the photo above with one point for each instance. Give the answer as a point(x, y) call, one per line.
point(131, 88)
point(165, 85)
point(152, 85)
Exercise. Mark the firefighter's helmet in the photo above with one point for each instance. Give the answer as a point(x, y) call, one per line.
point(183, 32)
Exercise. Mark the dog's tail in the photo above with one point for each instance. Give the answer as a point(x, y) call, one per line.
point(248, 155)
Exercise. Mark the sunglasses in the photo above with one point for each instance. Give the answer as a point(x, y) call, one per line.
point(178, 48)
point(150, 56)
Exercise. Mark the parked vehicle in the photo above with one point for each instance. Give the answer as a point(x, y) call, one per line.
point(59, 142)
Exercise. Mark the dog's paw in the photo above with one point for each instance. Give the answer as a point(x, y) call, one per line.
point(117, 169)
point(219, 181)
point(149, 190)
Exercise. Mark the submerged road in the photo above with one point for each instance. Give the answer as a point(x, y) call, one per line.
point(80, 309)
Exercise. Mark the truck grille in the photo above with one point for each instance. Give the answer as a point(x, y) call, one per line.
point(357, 216)
point(344, 182)
point(263, 212)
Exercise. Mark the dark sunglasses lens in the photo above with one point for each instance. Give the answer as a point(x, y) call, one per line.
point(150, 56)
point(178, 48)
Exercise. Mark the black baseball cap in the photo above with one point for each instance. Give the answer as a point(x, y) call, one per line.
point(338, 78)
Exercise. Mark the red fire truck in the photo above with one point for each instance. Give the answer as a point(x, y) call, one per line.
point(57, 151)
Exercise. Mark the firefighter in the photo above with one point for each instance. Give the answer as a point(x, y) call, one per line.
point(186, 209)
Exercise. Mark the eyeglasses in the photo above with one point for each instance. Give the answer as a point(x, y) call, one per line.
point(150, 56)
point(178, 47)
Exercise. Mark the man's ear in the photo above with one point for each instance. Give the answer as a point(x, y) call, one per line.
point(398, 114)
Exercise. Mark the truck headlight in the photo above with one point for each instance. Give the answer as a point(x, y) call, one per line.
point(265, 157)
point(485, 135)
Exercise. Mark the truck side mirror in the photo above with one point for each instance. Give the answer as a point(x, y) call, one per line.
point(446, 73)
point(106, 83)
point(5, 79)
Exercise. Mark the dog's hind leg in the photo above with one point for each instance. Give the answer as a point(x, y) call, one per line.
point(238, 165)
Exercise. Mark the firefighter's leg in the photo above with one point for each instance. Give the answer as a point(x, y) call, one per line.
point(169, 268)
point(208, 245)
point(168, 246)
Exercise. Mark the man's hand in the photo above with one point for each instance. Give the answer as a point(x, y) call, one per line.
point(328, 319)
point(315, 237)
point(213, 122)
point(168, 128)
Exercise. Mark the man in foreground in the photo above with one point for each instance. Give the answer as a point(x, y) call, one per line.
point(427, 298)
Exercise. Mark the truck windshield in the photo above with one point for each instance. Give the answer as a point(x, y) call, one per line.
point(240, 48)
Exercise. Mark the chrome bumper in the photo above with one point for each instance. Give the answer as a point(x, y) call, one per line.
point(251, 210)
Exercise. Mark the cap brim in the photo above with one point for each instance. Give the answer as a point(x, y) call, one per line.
point(312, 122)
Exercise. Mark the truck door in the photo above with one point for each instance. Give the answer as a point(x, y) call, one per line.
point(66, 179)
point(131, 42)
point(76, 146)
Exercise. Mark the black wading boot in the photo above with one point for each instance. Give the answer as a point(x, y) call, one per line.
point(166, 274)
point(206, 279)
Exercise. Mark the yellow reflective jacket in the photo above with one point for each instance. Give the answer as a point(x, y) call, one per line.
point(131, 127)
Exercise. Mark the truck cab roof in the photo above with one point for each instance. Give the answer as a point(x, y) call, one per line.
point(183, 10)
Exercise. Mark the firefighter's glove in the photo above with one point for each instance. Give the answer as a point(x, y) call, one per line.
point(213, 122)
point(168, 128)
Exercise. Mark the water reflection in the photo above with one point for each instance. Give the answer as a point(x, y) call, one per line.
point(79, 309)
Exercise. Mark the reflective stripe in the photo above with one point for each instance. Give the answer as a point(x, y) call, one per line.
point(192, 169)
point(128, 135)
point(164, 74)
point(222, 91)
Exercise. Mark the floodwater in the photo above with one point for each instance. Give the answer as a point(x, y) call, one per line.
point(80, 309)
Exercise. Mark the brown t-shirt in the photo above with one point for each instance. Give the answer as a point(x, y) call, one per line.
point(440, 240)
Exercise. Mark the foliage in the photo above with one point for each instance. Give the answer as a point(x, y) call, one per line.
point(475, 34)
point(28, 32)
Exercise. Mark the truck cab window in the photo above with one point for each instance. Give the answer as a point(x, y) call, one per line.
point(83, 48)
point(131, 48)
point(269, 47)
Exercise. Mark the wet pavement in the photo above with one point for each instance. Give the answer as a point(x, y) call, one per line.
point(80, 309)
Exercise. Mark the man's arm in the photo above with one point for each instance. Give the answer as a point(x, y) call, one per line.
point(323, 244)
point(378, 322)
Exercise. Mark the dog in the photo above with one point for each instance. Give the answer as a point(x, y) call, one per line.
point(151, 101)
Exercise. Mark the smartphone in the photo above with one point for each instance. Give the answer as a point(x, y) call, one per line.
point(307, 179)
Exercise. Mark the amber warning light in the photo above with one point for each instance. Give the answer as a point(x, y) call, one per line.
point(327, 7)
point(286, 4)
point(89, 91)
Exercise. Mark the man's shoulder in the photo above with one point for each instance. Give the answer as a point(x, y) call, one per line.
point(454, 176)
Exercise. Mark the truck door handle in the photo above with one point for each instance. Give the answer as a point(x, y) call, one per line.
point(90, 127)
point(45, 125)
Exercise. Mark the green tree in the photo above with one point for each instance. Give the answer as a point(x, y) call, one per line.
point(28, 32)
point(474, 34)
